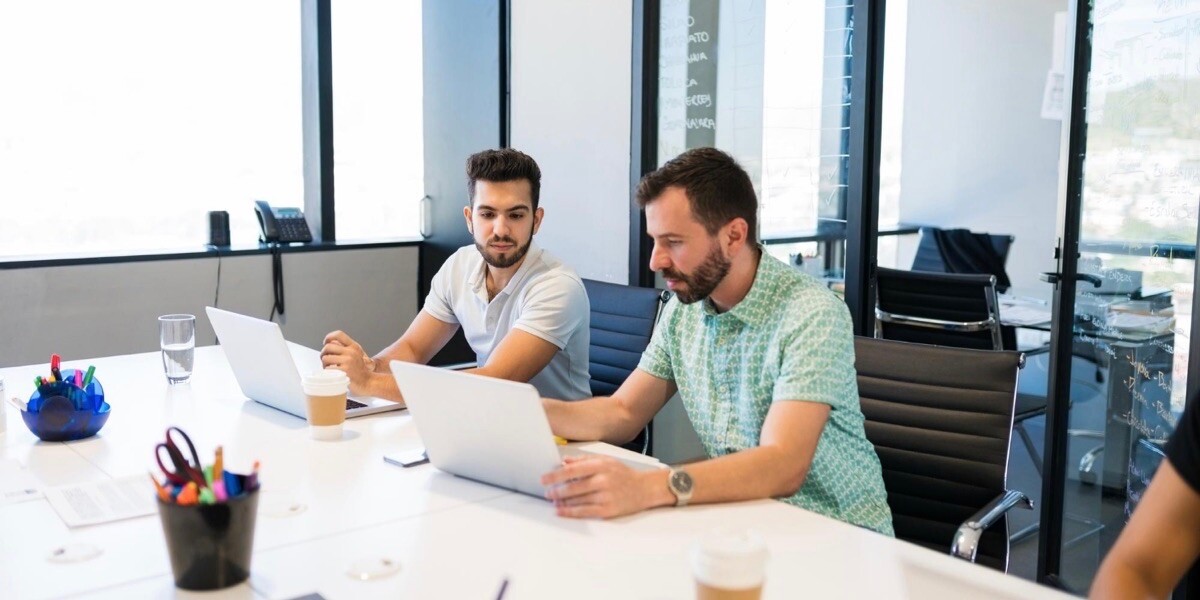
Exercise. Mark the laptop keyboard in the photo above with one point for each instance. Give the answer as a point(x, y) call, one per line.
point(351, 404)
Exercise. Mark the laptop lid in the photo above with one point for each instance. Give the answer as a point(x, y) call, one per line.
point(268, 369)
point(481, 428)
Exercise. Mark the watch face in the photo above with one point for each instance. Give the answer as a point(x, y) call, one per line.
point(681, 482)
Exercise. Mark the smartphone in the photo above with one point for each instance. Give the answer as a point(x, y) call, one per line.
point(410, 458)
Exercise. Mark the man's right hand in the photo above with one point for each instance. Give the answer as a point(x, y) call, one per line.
point(342, 352)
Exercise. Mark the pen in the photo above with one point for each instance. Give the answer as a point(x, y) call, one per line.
point(252, 480)
point(503, 588)
point(54, 362)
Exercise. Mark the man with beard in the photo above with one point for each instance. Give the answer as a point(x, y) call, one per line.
point(523, 312)
point(761, 354)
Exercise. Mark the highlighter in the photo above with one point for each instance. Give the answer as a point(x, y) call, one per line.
point(207, 496)
point(189, 496)
point(232, 484)
point(218, 490)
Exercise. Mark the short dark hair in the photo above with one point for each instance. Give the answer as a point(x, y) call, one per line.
point(503, 164)
point(717, 188)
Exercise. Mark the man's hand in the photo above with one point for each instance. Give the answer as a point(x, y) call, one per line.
point(342, 352)
point(603, 487)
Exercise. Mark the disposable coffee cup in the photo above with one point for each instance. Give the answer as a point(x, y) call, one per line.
point(729, 565)
point(326, 399)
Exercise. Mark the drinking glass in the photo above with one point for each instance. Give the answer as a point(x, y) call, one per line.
point(177, 337)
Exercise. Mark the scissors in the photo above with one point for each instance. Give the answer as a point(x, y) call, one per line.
point(183, 471)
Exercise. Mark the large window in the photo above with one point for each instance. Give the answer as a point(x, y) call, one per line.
point(378, 143)
point(123, 123)
point(770, 84)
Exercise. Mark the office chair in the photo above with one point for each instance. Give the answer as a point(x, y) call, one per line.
point(622, 320)
point(939, 308)
point(961, 311)
point(963, 251)
point(941, 422)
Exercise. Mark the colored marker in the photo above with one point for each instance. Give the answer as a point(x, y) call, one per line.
point(38, 380)
point(189, 496)
point(252, 480)
point(207, 496)
point(163, 494)
point(233, 485)
point(88, 377)
point(54, 362)
point(218, 489)
point(218, 467)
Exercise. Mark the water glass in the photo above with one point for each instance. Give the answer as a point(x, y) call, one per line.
point(177, 337)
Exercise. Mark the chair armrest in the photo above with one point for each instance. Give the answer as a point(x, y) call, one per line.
point(966, 539)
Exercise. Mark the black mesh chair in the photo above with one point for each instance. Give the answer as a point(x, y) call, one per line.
point(941, 422)
point(623, 319)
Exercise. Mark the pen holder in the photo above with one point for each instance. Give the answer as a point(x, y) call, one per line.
point(62, 411)
point(210, 544)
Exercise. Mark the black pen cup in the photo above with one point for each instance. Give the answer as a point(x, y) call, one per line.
point(210, 544)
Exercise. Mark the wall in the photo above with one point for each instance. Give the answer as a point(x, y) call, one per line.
point(97, 310)
point(570, 110)
point(976, 152)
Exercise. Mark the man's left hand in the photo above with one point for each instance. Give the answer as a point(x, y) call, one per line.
point(602, 487)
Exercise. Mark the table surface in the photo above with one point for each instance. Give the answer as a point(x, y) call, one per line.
point(327, 507)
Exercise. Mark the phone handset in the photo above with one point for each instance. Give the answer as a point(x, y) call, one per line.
point(283, 225)
point(267, 225)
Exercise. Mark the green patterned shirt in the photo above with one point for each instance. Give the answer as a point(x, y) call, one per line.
point(788, 339)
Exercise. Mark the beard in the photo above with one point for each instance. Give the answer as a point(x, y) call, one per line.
point(701, 282)
point(503, 260)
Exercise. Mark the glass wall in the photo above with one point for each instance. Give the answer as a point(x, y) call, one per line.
point(768, 82)
point(1141, 178)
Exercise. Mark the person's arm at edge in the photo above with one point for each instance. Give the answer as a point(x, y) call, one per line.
point(776, 468)
point(615, 419)
point(1157, 546)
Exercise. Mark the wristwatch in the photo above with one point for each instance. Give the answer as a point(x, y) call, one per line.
point(680, 484)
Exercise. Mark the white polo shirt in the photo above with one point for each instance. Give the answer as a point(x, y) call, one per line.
point(544, 298)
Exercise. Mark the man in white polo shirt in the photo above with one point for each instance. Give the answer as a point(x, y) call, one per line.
point(524, 313)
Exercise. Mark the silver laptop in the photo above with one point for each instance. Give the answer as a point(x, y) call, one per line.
point(268, 369)
point(487, 429)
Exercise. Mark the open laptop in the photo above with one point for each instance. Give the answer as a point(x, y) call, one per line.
point(488, 429)
point(269, 370)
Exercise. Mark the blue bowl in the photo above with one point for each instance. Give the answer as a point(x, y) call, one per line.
point(61, 412)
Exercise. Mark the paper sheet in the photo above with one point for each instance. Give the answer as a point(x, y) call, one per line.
point(102, 502)
point(17, 484)
point(1021, 312)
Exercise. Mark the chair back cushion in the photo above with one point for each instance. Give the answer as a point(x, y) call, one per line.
point(622, 321)
point(944, 296)
point(941, 422)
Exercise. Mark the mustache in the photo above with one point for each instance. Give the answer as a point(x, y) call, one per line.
point(673, 274)
point(502, 240)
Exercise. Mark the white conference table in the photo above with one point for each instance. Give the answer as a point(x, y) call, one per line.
point(329, 506)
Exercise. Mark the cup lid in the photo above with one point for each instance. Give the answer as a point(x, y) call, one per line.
point(326, 382)
point(731, 559)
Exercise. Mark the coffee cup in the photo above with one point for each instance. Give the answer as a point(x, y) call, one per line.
point(326, 399)
point(729, 565)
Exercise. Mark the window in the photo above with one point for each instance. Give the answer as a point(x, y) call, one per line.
point(123, 123)
point(770, 84)
point(378, 137)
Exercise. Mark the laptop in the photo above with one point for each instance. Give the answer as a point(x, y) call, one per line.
point(489, 430)
point(269, 370)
